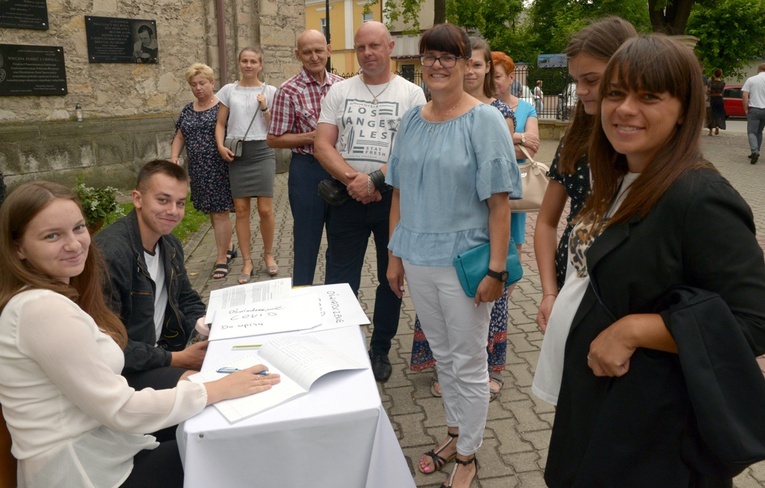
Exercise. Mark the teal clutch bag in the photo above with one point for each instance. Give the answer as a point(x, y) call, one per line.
point(473, 264)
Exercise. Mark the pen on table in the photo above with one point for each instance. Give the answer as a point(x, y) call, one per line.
point(227, 370)
point(245, 346)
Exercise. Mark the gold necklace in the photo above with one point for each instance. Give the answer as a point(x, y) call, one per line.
point(374, 97)
point(207, 104)
point(443, 116)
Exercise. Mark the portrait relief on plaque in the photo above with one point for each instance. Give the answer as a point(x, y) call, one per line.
point(116, 40)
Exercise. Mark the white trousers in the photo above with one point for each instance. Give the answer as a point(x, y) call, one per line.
point(456, 330)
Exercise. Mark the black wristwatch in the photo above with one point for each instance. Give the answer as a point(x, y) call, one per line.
point(499, 275)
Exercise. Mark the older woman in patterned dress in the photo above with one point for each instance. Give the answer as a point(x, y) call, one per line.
point(210, 187)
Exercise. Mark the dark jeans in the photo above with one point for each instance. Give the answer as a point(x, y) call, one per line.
point(755, 123)
point(348, 232)
point(309, 215)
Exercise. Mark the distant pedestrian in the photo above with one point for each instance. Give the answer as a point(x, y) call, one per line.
point(716, 104)
point(753, 97)
point(538, 98)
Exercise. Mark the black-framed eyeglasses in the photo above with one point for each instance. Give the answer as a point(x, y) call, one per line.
point(447, 60)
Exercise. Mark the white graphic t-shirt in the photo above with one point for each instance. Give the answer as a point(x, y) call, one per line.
point(367, 130)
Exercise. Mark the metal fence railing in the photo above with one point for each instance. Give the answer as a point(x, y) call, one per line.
point(558, 87)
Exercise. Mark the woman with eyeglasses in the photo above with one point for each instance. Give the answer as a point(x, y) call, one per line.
point(453, 145)
point(479, 82)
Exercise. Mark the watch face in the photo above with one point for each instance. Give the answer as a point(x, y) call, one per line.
point(503, 276)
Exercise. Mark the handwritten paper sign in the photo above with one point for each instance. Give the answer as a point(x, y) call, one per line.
point(338, 305)
point(234, 296)
point(258, 318)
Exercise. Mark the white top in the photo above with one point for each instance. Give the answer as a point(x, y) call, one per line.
point(549, 372)
point(73, 418)
point(242, 103)
point(366, 131)
point(756, 88)
point(157, 273)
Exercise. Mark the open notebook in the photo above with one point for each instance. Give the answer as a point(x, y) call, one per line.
point(299, 359)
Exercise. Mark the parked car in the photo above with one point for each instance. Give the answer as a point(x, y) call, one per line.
point(734, 106)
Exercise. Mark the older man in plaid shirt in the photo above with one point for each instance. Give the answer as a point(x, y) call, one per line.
point(294, 116)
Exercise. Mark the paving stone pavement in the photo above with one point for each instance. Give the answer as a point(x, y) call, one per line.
point(518, 427)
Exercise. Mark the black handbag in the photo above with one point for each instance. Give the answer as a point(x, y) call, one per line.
point(333, 192)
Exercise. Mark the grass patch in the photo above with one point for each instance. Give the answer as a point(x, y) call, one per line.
point(191, 222)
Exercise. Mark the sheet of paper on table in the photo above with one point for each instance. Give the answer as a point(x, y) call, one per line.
point(299, 359)
point(233, 296)
point(339, 306)
point(268, 317)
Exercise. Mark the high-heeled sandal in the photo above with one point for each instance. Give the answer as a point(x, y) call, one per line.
point(272, 270)
point(231, 254)
point(438, 461)
point(457, 462)
point(244, 277)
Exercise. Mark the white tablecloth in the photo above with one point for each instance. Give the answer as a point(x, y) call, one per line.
point(336, 436)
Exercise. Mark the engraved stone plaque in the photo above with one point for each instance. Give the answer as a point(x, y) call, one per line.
point(115, 40)
point(32, 70)
point(24, 14)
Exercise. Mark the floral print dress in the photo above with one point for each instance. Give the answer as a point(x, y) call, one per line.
point(208, 172)
point(577, 188)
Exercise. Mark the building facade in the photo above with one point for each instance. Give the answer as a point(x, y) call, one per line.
point(129, 109)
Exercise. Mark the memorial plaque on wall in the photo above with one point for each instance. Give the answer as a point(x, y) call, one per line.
point(114, 40)
point(32, 70)
point(24, 14)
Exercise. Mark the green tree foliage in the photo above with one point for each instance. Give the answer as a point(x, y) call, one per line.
point(730, 32)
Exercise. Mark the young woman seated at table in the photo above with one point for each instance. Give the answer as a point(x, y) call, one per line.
point(73, 418)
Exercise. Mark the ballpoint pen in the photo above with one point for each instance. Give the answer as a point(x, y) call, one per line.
point(245, 346)
point(227, 370)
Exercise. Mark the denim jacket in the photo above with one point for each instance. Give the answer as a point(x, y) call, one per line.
point(130, 291)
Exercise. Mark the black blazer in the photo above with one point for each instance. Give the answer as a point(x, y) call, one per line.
point(630, 431)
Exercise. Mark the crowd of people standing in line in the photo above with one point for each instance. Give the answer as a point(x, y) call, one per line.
point(632, 284)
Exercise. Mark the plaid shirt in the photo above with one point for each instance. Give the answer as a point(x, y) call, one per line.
point(297, 106)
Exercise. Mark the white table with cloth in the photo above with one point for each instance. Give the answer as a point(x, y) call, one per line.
point(336, 436)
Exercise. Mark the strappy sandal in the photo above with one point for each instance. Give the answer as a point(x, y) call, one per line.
point(435, 387)
point(457, 462)
point(494, 394)
point(272, 270)
point(220, 271)
point(231, 254)
point(438, 461)
point(244, 277)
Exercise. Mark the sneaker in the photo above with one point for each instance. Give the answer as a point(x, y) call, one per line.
point(381, 367)
point(755, 157)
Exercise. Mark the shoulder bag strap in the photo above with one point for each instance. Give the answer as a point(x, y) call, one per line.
point(528, 156)
point(263, 90)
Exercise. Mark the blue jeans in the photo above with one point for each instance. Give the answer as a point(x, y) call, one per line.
point(755, 123)
point(348, 232)
point(309, 215)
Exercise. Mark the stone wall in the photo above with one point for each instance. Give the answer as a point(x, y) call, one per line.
point(130, 109)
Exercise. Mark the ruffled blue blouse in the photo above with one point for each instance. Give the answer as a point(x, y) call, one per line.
point(444, 172)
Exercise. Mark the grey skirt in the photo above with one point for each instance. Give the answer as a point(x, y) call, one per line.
point(252, 175)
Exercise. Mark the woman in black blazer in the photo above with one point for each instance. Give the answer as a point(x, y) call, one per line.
point(660, 220)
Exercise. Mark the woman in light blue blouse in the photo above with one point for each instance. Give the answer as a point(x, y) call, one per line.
point(452, 169)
